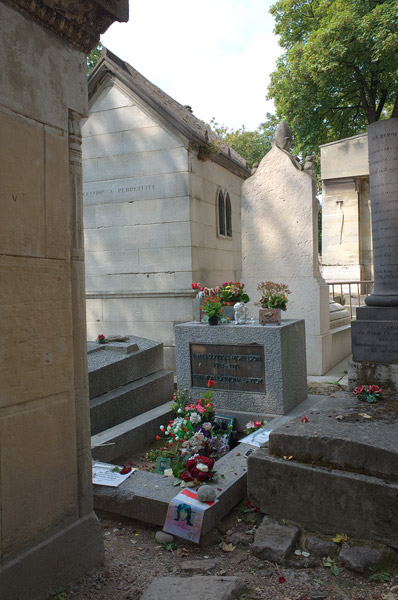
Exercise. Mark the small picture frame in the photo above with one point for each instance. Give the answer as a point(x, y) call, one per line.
point(162, 464)
point(225, 421)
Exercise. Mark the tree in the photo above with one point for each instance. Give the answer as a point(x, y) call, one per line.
point(339, 71)
point(252, 145)
point(93, 58)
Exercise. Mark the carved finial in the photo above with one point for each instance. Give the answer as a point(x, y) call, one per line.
point(283, 136)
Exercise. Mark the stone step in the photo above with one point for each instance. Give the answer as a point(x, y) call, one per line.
point(131, 400)
point(323, 499)
point(349, 442)
point(118, 363)
point(131, 436)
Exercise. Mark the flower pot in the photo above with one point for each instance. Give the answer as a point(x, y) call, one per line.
point(213, 320)
point(269, 316)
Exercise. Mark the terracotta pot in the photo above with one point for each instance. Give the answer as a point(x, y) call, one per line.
point(213, 320)
point(269, 316)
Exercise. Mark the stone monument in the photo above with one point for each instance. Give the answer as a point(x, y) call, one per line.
point(375, 332)
point(280, 243)
point(49, 532)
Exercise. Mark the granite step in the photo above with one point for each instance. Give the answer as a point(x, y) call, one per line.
point(118, 363)
point(130, 400)
point(339, 437)
point(131, 436)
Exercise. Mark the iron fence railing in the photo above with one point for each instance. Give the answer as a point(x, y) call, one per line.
point(350, 293)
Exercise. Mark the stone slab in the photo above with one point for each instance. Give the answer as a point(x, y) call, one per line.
point(274, 542)
point(384, 375)
point(109, 368)
point(55, 562)
point(377, 313)
point(145, 496)
point(131, 400)
point(369, 446)
point(324, 500)
point(359, 557)
point(284, 368)
point(195, 588)
point(127, 438)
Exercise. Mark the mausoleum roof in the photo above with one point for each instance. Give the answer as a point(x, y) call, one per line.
point(177, 115)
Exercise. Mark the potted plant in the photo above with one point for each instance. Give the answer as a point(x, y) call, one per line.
point(230, 293)
point(273, 300)
point(213, 309)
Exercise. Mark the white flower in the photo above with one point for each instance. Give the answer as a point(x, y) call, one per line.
point(202, 467)
point(207, 426)
point(179, 410)
point(249, 425)
point(195, 418)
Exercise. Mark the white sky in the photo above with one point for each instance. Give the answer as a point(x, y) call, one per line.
point(215, 55)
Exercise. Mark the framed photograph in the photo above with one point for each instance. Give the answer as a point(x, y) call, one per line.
point(226, 424)
point(162, 464)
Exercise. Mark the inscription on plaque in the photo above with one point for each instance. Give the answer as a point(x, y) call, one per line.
point(234, 368)
point(375, 341)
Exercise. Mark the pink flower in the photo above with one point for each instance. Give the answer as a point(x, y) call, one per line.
point(358, 390)
point(202, 288)
point(375, 389)
point(257, 423)
point(200, 409)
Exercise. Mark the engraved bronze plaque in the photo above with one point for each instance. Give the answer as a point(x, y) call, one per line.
point(235, 368)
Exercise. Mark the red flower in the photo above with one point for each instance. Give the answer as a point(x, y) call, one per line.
point(281, 580)
point(211, 383)
point(195, 286)
point(203, 476)
point(304, 420)
point(125, 470)
point(202, 288)
point(158, 437)
point(186, 476)
point(358, 390)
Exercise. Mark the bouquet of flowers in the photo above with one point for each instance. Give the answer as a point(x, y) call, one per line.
point(198, 469)
point(231, 292)
point(253, 426)
point(369, 393)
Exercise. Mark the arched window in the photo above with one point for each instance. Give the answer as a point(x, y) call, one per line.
point(221, 213)
point(228, 215)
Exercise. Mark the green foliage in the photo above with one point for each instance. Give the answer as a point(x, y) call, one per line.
point(330, 564)
point(382, 577)
point(339, 70)
point(93, 58)
point(251, 145)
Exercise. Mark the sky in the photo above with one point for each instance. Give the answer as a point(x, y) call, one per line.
point(214, 55)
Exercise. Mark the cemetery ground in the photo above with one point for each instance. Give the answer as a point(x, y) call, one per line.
point(134, 558)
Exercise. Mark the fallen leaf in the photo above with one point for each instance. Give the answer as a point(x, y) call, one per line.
point(290, 458)
point(339, 417)
point(222, 571)
point(182, 552)
point(227, 547)
point(315, 433)
point(365, 416)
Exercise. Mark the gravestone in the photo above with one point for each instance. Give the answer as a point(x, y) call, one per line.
point(49, 532)
point(255, 368)
point(375, 332)
point(280, 243)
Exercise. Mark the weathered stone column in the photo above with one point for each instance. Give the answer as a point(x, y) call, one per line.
point(375, 332)
point(50, 534)
point(383, 177)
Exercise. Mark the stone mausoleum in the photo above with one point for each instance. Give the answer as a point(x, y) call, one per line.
point(162, 201)
point(346, 214)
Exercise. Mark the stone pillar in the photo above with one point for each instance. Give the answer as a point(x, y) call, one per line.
point(383, 178)
point(375, 332)
point(49, 532)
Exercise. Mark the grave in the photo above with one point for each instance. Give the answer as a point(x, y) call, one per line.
point(130, 397)
point(280, 243)
point(260, 369)
point(335, 472)
point(375, 332)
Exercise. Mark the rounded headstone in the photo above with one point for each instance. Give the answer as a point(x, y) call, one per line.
point(206, 493)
